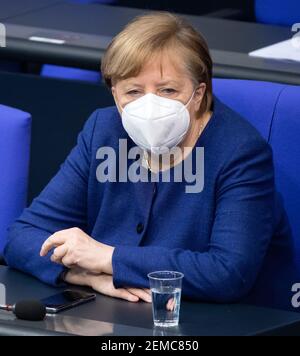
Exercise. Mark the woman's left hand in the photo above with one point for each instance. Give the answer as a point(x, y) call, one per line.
point(103, 284)
point(74, 248)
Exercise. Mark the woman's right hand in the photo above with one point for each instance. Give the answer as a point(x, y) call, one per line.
point(103, 283)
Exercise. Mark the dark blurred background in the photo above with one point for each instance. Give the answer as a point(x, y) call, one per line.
point(243, 9)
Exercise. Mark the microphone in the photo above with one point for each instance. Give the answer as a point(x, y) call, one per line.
point(32, 310)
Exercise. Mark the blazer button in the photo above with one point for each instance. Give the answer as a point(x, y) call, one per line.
point(140, 228)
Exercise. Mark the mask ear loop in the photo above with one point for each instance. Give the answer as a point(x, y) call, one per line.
point(122, 108)
point(190, 100)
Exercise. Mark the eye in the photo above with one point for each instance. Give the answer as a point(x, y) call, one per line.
point(133, 92)
point(168, 91)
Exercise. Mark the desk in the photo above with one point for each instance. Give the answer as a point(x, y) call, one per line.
point(17, 7)
point(109, 316)
point(87, 30)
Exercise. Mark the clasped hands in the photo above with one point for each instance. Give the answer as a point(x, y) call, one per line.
point(89, 263)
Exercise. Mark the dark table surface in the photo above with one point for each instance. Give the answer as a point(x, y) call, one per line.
point(109, 316)
point(87, 30)
point(17, 7)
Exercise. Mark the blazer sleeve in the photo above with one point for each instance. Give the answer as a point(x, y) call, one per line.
point(241, 233)
point(61, 205)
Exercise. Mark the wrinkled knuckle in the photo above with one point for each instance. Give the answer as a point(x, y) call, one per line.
point(66, 262)
point(71, 243)
point(75, 255)
point(70, 254)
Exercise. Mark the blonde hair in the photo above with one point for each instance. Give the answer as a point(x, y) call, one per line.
point(152, 34)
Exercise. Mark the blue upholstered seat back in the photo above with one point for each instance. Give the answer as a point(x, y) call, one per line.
point(274, 109)
point(278, 12)
point(15, 127)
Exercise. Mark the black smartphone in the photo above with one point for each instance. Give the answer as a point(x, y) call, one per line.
point(66, 300)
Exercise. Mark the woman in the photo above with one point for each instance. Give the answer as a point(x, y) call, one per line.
point(109, 234)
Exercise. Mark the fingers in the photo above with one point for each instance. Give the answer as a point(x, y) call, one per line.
point(148, 291)
point(53, 241)
point(141, 293)
point(125, 294)
point(59, 253)
point(68, 261)
point(104, 285)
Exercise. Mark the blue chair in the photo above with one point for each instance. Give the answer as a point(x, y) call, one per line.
point(15, 128)
point(70, 73)
point(275, 111)
point(278, 12)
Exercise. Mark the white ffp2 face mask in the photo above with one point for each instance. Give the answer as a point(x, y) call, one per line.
point(155, 123)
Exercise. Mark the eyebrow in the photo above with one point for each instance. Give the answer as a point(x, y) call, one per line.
point(164, 82)
point(126, 86)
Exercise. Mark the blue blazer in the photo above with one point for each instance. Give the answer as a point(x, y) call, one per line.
point(218, 238)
